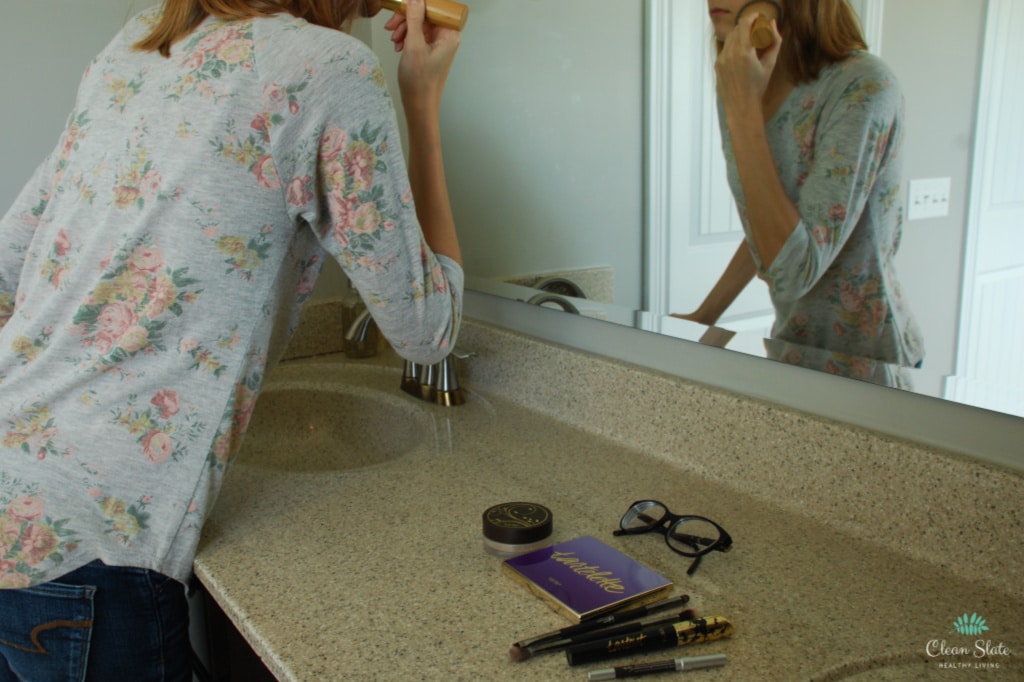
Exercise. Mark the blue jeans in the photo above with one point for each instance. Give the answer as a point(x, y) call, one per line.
point(96, 623)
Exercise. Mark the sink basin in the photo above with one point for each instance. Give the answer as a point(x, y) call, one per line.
point(326, 418)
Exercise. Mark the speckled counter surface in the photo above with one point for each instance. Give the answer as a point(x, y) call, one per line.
point(379, 572)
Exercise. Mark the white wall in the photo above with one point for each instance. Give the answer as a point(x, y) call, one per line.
point(45, 47)
point(940, 82)
point(543, 135)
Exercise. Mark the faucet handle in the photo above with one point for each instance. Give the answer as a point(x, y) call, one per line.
point(428, 375)
point(418, 380)
point(362, 336)
point(411, 374)
point(446, 387)
point(436, 383)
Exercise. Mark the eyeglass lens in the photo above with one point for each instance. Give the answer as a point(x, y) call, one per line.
point(692, 536)
point(643, 515)
point(688, 535)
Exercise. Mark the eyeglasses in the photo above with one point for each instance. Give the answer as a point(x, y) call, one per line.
point(692, 536)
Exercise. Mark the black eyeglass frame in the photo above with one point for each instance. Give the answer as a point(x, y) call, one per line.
point(722, 544)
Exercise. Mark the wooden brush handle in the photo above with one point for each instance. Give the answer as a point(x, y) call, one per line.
point(446, 13)
point(761, 35)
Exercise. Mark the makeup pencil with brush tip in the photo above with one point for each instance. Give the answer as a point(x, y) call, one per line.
point(602, 621)
point(523, 653)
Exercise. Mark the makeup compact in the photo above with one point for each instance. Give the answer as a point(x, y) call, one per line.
point(513, 528)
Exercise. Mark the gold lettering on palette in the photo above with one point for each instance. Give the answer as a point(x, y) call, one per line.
point(606, 580)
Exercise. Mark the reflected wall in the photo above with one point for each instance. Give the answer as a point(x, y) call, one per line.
point(543, 131)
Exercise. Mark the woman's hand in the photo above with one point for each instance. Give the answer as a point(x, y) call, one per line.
point(696, 316)
point(743, 73)
point(427, 55)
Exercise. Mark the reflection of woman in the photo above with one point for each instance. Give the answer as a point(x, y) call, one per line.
point(149, 275)
point(812, 129)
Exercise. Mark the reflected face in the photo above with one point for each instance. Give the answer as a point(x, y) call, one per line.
point(723, 15)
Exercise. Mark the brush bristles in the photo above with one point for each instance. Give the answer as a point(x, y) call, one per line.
point(518, 653)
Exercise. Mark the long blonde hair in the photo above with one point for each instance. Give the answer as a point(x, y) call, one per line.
point(181, 17)
point(817, 33)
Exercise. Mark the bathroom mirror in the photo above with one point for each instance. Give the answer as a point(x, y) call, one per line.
point(547, 128)
point(586, 152)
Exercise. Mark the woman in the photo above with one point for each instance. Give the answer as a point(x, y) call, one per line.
point(150, 274)
point(811, 129)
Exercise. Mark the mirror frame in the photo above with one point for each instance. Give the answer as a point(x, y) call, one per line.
point(991, 437)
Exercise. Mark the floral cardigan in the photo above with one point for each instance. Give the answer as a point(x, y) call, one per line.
point(153, 268)
point(837, 144)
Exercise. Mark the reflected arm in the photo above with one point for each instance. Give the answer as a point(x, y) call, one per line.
point(738, 274)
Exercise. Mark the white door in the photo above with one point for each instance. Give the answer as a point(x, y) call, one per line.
point(990, 353)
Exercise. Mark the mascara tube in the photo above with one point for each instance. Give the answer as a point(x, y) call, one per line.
point(651, 639)
point(673, 665)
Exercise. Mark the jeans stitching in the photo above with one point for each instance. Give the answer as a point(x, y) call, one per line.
point(154, 591)
point(39, 629)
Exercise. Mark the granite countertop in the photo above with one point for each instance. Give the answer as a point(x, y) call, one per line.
point(379, 572)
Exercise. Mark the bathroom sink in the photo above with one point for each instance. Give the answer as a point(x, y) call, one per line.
point(333, 417)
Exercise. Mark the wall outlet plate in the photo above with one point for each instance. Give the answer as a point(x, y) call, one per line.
point(928, 198)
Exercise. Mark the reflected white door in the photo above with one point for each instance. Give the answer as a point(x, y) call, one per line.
point(693, 226)
point(990, 361)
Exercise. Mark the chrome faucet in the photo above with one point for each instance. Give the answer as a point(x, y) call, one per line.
point(563, 303)
point(560, 286)
point(436, 383)
point(361, 337)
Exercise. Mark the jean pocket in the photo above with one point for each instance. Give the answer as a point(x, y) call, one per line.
point(45, 630)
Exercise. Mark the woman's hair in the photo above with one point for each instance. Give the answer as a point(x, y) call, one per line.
point(181, 17)
point(816, 33)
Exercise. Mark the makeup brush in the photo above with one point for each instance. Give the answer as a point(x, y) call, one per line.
point(519, 654)
point(761, 35)
point(446, 13)
point(603, 621)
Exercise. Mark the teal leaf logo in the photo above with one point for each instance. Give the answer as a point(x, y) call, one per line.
point(971, 625)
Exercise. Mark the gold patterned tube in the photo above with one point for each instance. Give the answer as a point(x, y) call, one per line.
point(652, 638)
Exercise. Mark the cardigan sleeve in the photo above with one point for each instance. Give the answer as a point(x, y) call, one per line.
point(338, 153)
point(856, 138)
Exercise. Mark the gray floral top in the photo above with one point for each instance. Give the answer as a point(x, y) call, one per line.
point(154, 266)
point(837, 145)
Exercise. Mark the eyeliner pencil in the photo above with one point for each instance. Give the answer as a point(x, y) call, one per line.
point(672, 665)
point(632, 628)
point(605, 620)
